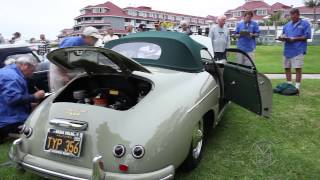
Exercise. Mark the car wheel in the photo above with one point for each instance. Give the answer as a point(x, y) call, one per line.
point(196, 148)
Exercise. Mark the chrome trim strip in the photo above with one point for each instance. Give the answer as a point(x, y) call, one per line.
point(38, 72)
point(197, 104)
point(50, 173)
point(70, 124)
point(170, 176)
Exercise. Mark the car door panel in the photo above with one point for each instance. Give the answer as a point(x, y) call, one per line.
point(246, 87)
point(240, 87)
point(266, 93)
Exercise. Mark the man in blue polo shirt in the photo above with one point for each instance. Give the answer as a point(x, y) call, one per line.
point(59, 77)
point(295, 35)
point(247, 31)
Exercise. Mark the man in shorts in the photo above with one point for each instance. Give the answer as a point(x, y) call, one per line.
point(247, 31)
point(295, 35)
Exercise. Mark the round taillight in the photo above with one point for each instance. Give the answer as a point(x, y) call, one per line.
point(119, 151)
point(138, 151)
point(28, 132)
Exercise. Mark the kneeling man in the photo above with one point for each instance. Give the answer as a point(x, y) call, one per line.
point(15, 101)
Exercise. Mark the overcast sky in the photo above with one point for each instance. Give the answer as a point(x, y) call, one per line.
point(33, 17)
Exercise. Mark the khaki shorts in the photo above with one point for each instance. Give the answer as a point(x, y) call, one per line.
point(241, 59)
point(295, 62)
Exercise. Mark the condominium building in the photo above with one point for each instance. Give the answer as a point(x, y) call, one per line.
point(108, 15)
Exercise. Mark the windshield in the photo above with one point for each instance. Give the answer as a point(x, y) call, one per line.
point(139, 50)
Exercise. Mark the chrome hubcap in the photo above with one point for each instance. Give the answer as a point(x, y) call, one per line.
point(197, 138)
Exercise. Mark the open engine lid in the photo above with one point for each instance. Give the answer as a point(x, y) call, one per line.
point(94, 60)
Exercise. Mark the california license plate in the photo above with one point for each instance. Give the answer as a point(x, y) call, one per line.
point(67, 143)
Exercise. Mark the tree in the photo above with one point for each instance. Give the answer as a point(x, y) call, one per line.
point(313, 4)
point(275, 19)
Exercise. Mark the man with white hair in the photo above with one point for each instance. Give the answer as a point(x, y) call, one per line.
point(185, 28)
point(220, 37)
point(59, 77)
point(15, 100)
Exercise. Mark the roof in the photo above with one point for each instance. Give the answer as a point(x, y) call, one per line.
point(307, 10)
point(251, 5)
point(148, 9)
point(114, 10)
point(179, 51)
point(277, 6)
point(257, 4)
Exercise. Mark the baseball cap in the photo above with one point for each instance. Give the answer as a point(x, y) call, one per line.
point(91, 31)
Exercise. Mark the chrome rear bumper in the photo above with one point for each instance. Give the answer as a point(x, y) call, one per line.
point(97, 172)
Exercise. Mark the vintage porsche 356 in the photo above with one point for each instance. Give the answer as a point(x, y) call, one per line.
point(139, 108)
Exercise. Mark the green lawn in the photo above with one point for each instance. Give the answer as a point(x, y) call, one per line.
point(244, 146)
point(269, 59)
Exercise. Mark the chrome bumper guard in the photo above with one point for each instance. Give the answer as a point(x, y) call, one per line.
point(98, 172)
point(98, 169)
point(14, 153)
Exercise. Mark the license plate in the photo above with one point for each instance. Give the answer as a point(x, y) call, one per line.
point(67, 143)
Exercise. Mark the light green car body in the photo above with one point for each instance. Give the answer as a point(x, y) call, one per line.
point(162, 122)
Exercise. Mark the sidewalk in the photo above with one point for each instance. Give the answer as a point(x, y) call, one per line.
point(304, 76)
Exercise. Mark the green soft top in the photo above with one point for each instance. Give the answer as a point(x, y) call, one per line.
point(178, 51)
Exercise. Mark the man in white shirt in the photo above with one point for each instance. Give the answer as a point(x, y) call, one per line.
point(109, 36)
point(220, 37)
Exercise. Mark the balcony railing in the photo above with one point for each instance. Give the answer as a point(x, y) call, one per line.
point(91, 22)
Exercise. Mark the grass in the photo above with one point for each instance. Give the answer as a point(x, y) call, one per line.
point(269, 59)
point(245, 146)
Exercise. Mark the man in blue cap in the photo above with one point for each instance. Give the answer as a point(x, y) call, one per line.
point(295, 35)
point(90, 37)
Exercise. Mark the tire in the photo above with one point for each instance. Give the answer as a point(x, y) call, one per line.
point(196, 148)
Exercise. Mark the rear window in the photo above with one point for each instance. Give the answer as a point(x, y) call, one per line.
point(139, 50)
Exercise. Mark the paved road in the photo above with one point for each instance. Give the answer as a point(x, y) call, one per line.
point(304, 76)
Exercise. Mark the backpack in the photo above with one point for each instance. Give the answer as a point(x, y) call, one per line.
point(286, 89)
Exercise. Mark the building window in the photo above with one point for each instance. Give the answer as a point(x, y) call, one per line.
point(170, 17)
point(98, 10)
point(237, 14)
point(132, 13)
point(97, 18)
point(142, 14)
point(261, 12)
point(98, 27)
point(194, 20)
point(83, 12)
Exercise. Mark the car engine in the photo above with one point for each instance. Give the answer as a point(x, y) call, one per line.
point(114, 92)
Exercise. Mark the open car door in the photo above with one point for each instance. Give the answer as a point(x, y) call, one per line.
point(244, 86)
